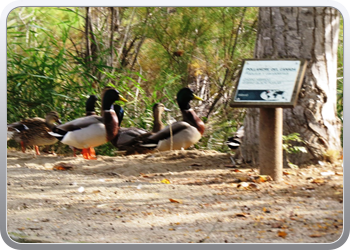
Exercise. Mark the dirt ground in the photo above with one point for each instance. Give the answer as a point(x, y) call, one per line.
point(188, 196)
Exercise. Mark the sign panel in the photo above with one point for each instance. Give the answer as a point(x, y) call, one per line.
point(273, 83)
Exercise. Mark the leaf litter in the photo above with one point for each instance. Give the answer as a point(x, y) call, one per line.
point(162, 199)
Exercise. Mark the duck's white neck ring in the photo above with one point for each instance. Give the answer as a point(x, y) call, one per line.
point(109, 110)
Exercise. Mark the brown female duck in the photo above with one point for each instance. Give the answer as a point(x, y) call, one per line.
point(34, 131)
point(127, 136)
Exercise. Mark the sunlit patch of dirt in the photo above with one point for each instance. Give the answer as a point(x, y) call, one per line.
point(169, 197)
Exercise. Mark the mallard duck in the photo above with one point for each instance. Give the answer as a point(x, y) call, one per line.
point(158, 110)
point(34, 131)
point(90, 105)
point(181, 134)
point(91, 131)
point(234, 144)
point(89, 110)
point(235, 141)
point(127, 136)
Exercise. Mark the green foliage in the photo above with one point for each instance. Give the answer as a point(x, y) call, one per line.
point(40, 74)
point(57, 57)
point(289, 146)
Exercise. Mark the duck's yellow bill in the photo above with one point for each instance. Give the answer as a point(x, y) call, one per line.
point(122, 99)
point(197, 97)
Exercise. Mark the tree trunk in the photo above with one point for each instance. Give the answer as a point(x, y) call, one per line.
point(302, 33)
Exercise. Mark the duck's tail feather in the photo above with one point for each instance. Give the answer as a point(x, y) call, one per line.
point(233, 144)
point(13, 129)
point(149, 145)
point(58, 136)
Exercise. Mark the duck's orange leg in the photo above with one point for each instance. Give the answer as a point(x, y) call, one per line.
point(23, 147)
point(85, 153)
point(89, 153)
point(36, 150)
point(92, 154)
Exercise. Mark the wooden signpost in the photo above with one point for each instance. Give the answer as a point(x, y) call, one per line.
point(270, 85)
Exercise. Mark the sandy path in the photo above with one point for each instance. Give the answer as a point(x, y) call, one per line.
point(179, 196)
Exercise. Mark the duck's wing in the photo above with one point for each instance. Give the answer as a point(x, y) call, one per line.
point(148, 142)
point(80, 123)
point(16, 126)
point(166, 132)
point(14, 130)
point(27, 123)
point(127, 134)
point(235, 141)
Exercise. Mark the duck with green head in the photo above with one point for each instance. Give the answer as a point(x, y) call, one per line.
point(181, 134)
point(89, 110)
point(90, 105)
point(91, 131)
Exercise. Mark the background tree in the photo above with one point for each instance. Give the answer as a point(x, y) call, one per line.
point(58, 56)
point(312, 34)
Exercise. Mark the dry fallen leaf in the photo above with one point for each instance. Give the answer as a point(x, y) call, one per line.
point(315, 235)
point(247, 186)
point(241, 214)
point(243, 185)
point(282, 234)
point(262, 178)
point(253, 186)
point(144, 175)
point(62, 166)
point(266, 210)
point(174, 201)
point(318, 181)
point(165, 181)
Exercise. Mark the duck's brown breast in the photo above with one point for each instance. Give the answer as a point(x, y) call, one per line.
point(192, 118)
point(111, 122)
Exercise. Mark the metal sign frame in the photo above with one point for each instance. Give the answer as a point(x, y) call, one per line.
point(258, 75)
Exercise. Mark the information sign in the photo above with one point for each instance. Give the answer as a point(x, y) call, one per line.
point(269, 83)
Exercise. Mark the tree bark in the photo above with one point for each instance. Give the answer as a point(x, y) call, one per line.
point(302, 33)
